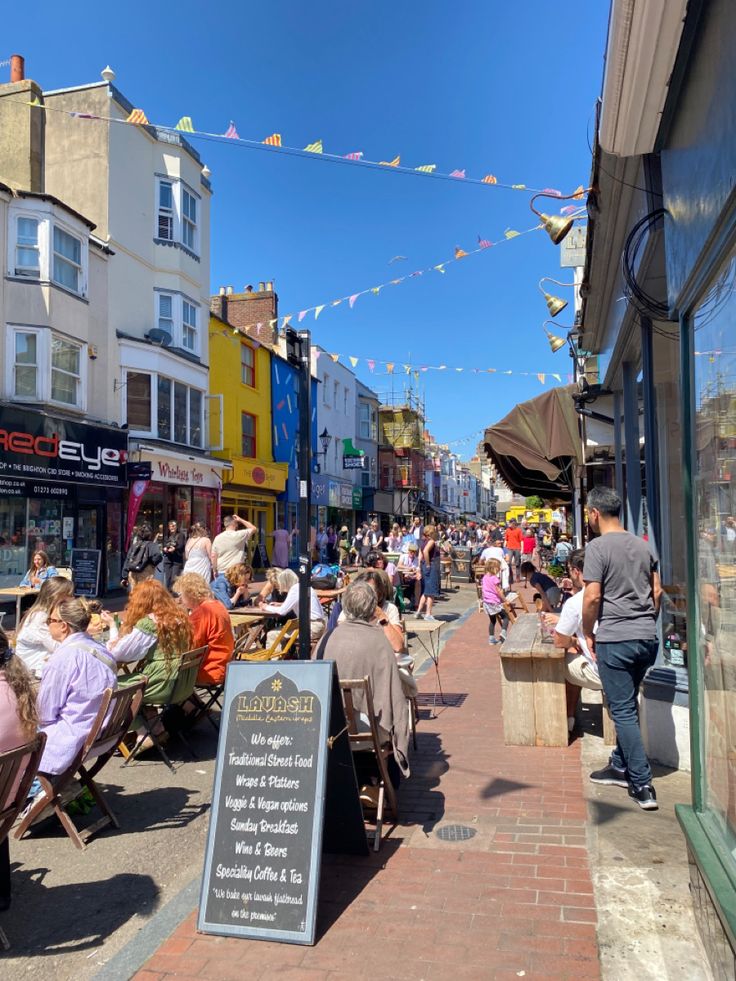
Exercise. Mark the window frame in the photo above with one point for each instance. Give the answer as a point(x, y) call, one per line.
point(184, 216)
point(250, 368)
point(188, 326)
point(43, 365)
point(18, 270)
point(187, 223)
point(168, 214)
point(78, 377)
point(162, 294)
point(153, 431)
point(13, 364)
point(54, 255)
point(253, 437)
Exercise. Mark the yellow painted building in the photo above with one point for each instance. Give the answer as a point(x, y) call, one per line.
point(240, 377)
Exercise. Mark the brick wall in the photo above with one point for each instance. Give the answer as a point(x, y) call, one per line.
point(247, 310)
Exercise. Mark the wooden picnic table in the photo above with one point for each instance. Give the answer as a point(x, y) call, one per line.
point(17, 593)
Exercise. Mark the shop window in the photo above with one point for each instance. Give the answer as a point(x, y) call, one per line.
point(27, 255)
point(67, 267)
point(195, 417)
point(65, 371)
point(138, 401)
point(247, 365)
point(248, 425)
point(25, 369)
point(180, 413)
point(164, 407)
point(714, 502)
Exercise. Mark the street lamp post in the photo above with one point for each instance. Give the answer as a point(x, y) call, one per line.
point(325, 439)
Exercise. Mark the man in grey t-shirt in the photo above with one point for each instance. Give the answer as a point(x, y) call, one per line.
point(622, 592)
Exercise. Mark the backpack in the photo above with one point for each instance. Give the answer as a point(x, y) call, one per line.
point(143, 555)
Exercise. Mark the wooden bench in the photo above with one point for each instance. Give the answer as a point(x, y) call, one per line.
point(532, 687)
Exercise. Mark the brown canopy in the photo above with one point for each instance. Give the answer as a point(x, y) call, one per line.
point(537, 445)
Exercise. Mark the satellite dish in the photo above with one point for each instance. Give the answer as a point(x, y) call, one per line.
point(158, 336)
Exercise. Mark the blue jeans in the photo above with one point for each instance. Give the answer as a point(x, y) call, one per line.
point(622, 666)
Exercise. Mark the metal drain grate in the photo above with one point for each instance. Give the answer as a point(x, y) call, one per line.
point(455, 832)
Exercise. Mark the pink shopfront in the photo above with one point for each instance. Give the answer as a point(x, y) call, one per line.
point(182, 488)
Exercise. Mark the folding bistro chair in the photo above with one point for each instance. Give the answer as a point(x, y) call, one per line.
point(280, 647)
point(367, 740)
point(183, 689)
point(18, 767)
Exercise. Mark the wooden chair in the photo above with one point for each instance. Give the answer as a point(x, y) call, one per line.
point(186, 678)
point(248, 641)
point(358, 692)
point(18, 767)
point(281, 646)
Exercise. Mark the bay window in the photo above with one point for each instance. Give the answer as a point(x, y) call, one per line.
point(166, 313)
point(178, 316)
point(189, 326)
point(188, 219)
point(27, 253)
point(67, 260)
point(25, 370)
point(45, 367)
point(177, 218)
point(164, 408)
point(46, 244)
point(138, 400)
point(65, 371)
point(166, 211)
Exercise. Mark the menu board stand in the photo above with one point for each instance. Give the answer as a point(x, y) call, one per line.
point(85, 566)
point(284, 785)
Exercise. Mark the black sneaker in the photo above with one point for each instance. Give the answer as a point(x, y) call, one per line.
point(644, 796)
point(610, 776)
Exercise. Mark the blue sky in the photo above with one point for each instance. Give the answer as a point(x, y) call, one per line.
point(505, 88)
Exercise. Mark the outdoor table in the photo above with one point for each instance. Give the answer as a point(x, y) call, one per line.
point(427, 633)
point(532, 686)
point(17, 593)
point(328, 596)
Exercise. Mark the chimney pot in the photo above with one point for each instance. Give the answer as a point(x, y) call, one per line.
point(229, 291)
point(269, 286)
point(222, 291)
point(261, 287)
point(17, 68)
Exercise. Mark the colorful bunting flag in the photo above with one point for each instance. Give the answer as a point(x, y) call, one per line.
point(519, 187)
point(371, 365)
point(336, 303)
point(407, 369)
point(35, 101)
point(287, 321)
point(376, 289)
point(511, 233)
point(460, 253)
point(579, 193)
point(353, 362)
point(390, 163)
point(417, 272)
point(274, 140)
point(137, 117)
point(426, 168)
point(552, 191)
point(185, 125)
point(568, 209)
point(231, 133)
point(396, 258)
point(335, 357)
point(302, 315)
point(489, 179)
point(352, 299)
point(457, 173)
point(315, 147)
point(484, 243)
point(540, 376)
point(556, 377)
point(395, 282)
point(358, 155)
point(389, 367)
point(318, 310)
point(440, 267)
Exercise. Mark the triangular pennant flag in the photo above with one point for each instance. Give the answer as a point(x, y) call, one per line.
point(335, 357)
point(35, 101)
point(318, 310)
point(457, 173)
point(458, 369)
point(541, 376)
point(416, 376)
point(389, 367)
point(315, 147)
point(442, 367)
point(336, 303)
point(552, 191)
point(424, 368)
point(287, 320)
point(511, 233)
point(417, 273)
point(460, 253)
point(395, 282)
point(484, 243)
point(556, 377)
point(273, 140)
point(407, 369)
point(352, 299)
point(426, 168)
point(353, 361)
point(579, 193)
point(185, 124)
point(357, 155)
point(507, 372)
point(272, 323)
point(489, 179)
point(568, 209)
point(302, 315)
point(376, 289)
point(371, 365)
point(231, 133)
point(518, 187)
point(316, 358)
point(259, 328)
point(491, 371)
point(137, 117)
point(390, 163)
point(440, 267)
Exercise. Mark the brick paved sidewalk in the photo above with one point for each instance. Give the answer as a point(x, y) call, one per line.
point(515, 900)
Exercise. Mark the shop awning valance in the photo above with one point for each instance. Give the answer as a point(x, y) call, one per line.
point(536, 447)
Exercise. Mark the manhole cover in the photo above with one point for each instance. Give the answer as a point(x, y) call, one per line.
point(455, 832)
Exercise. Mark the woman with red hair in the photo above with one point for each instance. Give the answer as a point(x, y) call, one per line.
point(155, 630)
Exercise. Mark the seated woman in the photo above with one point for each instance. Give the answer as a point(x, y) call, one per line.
point(387, 615)
point(18, 725)
point(288, 582)
point(231, 587)
point(409, 569)
point(33, 641)
point(211, 625)
point(359, 649)
point(72, 684)
point(377, 560)
point(270, 592)
point(155, 631)
point(550, 593)
point(41, 570)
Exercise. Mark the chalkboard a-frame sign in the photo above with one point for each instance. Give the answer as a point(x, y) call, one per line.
point(85, 566)
point(264, 844)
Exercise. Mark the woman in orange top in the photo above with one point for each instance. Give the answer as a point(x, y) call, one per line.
point(211, 624)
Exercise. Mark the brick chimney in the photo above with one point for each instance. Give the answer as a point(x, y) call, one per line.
point(21, 131)
point(248, 309)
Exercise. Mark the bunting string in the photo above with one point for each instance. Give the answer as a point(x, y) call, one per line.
point(315, 149)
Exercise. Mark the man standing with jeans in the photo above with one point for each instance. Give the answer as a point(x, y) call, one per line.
point(622, 592)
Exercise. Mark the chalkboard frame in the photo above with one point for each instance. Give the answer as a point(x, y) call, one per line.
point(77, 590)
point(243, 676)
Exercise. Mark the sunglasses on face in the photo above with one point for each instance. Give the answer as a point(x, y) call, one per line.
point(54, 620)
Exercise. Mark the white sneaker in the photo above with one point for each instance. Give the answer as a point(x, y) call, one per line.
point(428, 616)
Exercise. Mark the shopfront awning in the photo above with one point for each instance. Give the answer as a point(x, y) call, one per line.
point(536, 447)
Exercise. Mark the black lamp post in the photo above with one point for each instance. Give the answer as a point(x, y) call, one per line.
point(325, 439)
